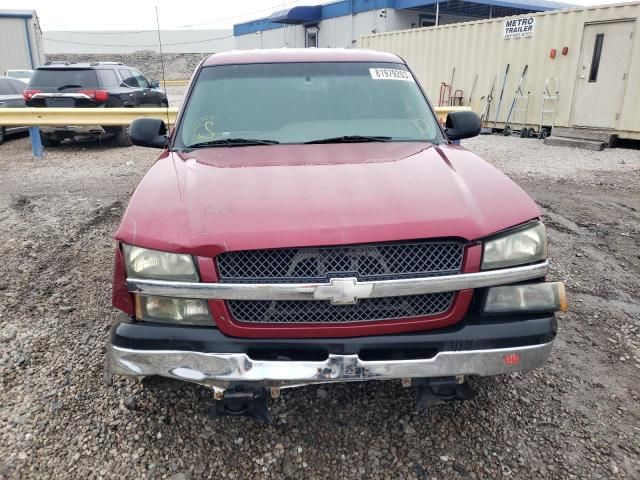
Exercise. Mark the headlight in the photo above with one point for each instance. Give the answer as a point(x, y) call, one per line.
point(526, 245)
point(184, 311)
point(532, 297)
point(152, 264)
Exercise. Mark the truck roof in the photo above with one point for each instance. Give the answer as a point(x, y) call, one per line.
point(292, 55)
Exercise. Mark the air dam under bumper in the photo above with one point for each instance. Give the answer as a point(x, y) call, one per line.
point(456, 355)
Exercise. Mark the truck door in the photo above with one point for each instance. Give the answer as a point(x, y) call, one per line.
point(150, 96)
point(136, 97)
point(602, 74)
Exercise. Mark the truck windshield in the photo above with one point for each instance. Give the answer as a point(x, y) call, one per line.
point(305, 102)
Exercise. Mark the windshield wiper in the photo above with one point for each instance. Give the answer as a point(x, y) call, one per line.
point(232, 142)
point(72, 85)
point(351, 139)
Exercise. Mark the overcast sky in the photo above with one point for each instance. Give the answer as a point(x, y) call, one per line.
point(140, 14)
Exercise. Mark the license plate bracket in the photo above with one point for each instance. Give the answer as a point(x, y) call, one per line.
point(60, 102)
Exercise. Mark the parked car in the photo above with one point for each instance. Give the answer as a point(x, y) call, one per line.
point(309, 221)
point(91, 85)
point(11, 97)
point(22, 75)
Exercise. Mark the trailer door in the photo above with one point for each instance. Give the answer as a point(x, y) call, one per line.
point(602, 74)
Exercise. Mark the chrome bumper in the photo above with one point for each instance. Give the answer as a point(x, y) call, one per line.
point(75, 130)
point(338, 290)
point(225, 370)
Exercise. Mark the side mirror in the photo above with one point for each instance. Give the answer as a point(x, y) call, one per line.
point(462, 125)
point(154, 83)
point(148, 132)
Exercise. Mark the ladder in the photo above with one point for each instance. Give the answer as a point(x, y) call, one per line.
point(520, 105)
point(549, 106)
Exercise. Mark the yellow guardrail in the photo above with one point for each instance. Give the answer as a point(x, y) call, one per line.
point(106, 117)
point(442, 112)
point(109, 117)
point(174, 82)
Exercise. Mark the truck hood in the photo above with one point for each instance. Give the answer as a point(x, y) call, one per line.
point(222, 199)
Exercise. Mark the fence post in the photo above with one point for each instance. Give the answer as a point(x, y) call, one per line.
point(36, 143)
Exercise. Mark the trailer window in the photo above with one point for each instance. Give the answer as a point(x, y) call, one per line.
point(595, 61)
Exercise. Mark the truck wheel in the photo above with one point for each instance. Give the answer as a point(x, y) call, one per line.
point(48, 141)
point(531, 133)
point(544, 133)
point(507, 131)
point(3, 134)
point(524, 133)
point(121, 138)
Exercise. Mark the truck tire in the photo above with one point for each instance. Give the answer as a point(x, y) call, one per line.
point(121, 138)
point(3, 134)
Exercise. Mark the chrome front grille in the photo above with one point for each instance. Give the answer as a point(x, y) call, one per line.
point(389, 308)
point(364, 262)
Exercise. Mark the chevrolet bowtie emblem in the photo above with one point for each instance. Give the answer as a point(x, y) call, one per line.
point(343, 291)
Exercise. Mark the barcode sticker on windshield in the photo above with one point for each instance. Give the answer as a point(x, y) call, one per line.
point(390, 74)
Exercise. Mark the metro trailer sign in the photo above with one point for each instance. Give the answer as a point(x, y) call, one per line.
point(519, 27)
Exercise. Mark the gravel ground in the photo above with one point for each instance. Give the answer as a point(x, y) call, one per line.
point(578, 417)
point(178, 66)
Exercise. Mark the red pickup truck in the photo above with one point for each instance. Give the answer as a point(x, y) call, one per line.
point(309, 220)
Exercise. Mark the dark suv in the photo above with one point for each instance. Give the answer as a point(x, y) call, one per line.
point(89, 85)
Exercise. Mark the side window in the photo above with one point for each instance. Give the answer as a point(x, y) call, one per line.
point(595, 61)
point(142, 82)
point(127, 78)
point(5, 88)
point(108, 78)
point(18, 86)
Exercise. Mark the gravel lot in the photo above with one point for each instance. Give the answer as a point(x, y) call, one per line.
point(178, 66)
point(576, 418)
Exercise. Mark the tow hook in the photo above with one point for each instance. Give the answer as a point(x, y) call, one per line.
point(433, 391)
point(243, 403)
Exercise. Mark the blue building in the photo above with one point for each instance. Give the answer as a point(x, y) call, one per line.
point(341, 23)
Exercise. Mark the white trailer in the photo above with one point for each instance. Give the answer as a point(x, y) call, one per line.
point(594, 52)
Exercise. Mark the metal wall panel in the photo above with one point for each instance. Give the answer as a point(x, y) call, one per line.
point(479, 48)
point(37, 48)
point(14, 53)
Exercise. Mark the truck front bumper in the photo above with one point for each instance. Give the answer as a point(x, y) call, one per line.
point(476, 346)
